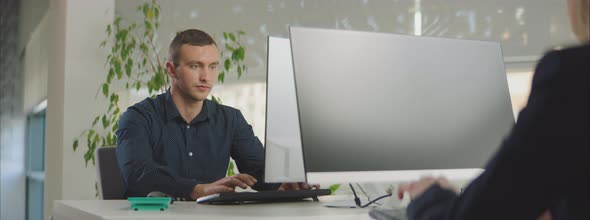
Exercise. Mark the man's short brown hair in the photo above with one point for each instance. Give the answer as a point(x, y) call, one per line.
point(192, 37)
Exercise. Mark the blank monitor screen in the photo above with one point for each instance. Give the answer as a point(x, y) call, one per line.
point(375, 101)
point(284, 159)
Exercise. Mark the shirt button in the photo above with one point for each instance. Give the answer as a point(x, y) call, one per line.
point(188, 126)
point(190, 154)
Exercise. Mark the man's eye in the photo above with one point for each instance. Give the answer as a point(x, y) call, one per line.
point(194, 66)
point(214, 67)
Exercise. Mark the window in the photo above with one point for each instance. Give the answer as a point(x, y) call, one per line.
point(35, 163)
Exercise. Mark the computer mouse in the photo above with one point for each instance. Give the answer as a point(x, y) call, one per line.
point(159, 194)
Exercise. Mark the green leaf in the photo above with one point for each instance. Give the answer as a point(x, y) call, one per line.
point(114, 119)
point(137, 86)
point(124, 52)
point(230, 48)
point(150, 86)
point(115, 126)
point(95, 120)
point(157, 12)
point(117, 22)
point(105, 122)
point(116, 111)
point(143, 47)
point(118, 68)
point(103, 43)
point(225, 35)
point(150, 14)
point(95, 139)
point(235, 56)
point(110, 75)
point(230, 169)
point(88, 156)
point(144, 61)
point(124, 35)
point(241, 32)
point(232, 36)
point(239, 72)
point(148, 25)
point(108, 59)
point(109, 31)
point(105, 89)
point(333, 188)
point(145, 9)
point(241, 53)
point(75, 145)
point(216, 99)
point(227, 64)
point(128, 67)
point(90, 133)
point(109, 139)
point(221, 77)
point(127, 85)
point(159, 79)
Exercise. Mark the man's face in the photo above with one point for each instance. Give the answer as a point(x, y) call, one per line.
point(196, 71)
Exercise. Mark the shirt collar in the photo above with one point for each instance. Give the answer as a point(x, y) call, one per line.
point(172, 112)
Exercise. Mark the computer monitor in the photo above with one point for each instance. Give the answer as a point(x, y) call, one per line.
point(283, 155)
point(386, 102)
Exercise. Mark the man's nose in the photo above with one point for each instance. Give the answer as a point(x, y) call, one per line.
point(206, 75)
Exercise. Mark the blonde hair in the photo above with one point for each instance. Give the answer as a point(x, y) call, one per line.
point(580, 18)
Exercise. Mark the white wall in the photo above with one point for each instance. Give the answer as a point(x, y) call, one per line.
point(76, 67)
point(36, 66)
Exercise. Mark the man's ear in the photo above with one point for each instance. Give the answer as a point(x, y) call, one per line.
point(171, 69)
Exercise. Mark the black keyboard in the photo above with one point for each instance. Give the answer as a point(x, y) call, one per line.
point(263, 196)
point(388, 214)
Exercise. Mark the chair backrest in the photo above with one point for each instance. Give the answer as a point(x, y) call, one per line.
point(110, 181)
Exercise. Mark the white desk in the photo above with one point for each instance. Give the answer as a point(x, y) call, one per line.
point(119, 209)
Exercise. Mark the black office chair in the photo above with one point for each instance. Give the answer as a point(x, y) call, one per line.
point(110, 181)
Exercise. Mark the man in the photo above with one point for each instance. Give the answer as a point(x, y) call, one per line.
point(180, 142)
point(544, 164)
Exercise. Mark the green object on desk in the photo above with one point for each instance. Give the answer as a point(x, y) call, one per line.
point(149, 203)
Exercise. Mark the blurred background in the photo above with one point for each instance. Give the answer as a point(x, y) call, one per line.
point(53, 68)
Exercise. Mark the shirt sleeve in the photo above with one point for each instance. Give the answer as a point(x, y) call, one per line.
point(141, 173)
point(248, 153)
point(535, 166)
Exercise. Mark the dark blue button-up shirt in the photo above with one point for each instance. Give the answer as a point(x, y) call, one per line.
point(158, 151)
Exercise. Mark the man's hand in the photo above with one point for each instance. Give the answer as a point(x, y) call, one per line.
point(415, 189)
point(227, 184)
point(296, 186)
